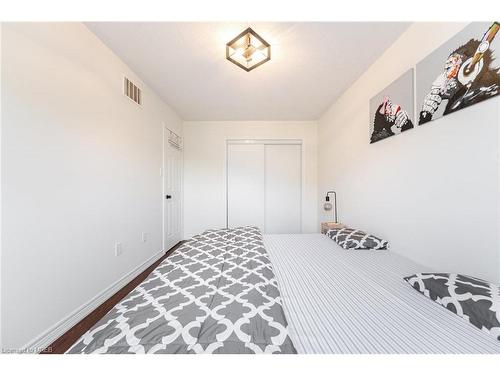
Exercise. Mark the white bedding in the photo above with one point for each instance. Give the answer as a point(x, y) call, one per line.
point(356, 301)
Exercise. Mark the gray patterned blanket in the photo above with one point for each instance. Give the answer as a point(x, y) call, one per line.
point(217, 293)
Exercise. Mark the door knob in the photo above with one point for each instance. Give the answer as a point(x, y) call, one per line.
point(168, 197)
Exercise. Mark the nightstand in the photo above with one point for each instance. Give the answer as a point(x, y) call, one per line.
point(325, 227)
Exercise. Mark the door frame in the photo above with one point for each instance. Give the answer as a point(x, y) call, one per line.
point(264, 141)
point(165, 149)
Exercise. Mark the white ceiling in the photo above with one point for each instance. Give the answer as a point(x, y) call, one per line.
point(311, 65)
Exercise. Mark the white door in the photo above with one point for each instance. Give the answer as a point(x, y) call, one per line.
point(283, 189)
point(245, 185)
point(264, 185)
point(172, 193)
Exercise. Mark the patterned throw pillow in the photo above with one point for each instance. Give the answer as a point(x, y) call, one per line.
point(355, 239)
point(473, 299)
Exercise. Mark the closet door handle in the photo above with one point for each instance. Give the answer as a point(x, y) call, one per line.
point(168, 197)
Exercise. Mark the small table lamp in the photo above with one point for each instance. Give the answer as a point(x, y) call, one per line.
point(328, 206)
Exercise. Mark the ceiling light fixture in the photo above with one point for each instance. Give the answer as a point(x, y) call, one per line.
point(248, 50)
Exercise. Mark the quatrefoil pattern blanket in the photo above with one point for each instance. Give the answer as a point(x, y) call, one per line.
point(217, 293)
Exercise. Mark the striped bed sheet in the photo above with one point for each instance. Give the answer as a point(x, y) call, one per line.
point(340, 301)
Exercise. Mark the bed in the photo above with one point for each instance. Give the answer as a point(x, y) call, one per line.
point(216, 294)
point(236, 291)
point(356, 301)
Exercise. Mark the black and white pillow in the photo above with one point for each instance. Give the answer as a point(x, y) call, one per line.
point(355, 239)
point(475, 300)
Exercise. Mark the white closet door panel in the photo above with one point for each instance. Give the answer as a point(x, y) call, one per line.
point(245, 195)
point(172, 191)
point(283, 171)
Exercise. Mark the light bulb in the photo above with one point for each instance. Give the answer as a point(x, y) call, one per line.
point(327, 206)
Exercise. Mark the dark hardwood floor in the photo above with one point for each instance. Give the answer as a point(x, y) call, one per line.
point(64, 342)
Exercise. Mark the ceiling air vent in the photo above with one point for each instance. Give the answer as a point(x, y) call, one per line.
point(132, 91)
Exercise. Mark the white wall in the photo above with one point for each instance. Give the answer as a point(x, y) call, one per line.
point(1, 184)
point(432, 191)
point(80, 170)
point(205, 168)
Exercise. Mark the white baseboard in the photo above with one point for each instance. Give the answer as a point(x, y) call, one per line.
point(57, 330)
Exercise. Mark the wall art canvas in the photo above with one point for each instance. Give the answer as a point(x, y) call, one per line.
point(391, 110)
point(462, 72)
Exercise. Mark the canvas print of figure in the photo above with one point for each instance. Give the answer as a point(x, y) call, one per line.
point(460, 73)
point(391, 110)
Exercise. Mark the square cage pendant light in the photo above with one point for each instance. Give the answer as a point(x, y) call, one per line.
point(248, 50)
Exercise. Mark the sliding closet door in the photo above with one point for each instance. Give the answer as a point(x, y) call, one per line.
point(283, 190)
point(245, 185)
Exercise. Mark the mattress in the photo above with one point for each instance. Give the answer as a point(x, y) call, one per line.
point(216, 294)
point(339, 301)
